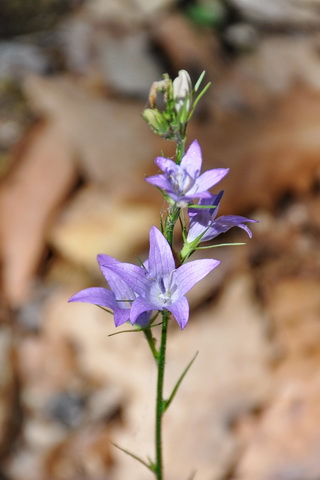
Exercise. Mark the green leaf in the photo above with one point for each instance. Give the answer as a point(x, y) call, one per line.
point(139, 329)
point(197, 85)
point(177, 385)
point(195, 103)
point(150, 465)
point(196, 205)
point(221, 245)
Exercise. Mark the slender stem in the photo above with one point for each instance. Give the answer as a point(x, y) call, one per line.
point(160, 402)
point(160, 355)
point(174, 210)
point(170, 223)
point(150, 340)
point(181, 140)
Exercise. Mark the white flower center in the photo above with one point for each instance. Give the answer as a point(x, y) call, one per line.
point(163, 291)
point(181, 181)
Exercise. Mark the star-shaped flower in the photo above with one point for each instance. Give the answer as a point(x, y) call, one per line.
point(183, 183)
point(118, 299)
point(204, 222)
point(160, 285)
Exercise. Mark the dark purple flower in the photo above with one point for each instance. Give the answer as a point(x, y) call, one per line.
point(183, 182)
point(118, 299)
point(204, 222)
point(160, 285)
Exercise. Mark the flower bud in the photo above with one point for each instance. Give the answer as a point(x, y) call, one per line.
point(182, 92)
point(156, 121)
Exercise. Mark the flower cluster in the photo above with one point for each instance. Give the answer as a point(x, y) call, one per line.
point(138, 294)
point(155, 286)
point(159, 284)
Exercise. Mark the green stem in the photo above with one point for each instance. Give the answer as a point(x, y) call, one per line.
point(181, 140)
point(174, 212)
point(170, 223)
point(150, 340)
point(160, 404)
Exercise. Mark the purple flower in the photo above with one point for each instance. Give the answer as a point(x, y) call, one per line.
point(119, 298)
point(183, 182)
point(203, 221)
point(160, 285)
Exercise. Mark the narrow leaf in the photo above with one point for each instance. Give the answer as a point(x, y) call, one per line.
point(150, 466)
point(195, 103)
point(134, 330)
point(174, 391)
point(197, 85)
point(140, 262)
point(220, 245)
point(196, 205)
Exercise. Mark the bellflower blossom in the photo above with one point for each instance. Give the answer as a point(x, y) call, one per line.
point(183, 183)
point(203, 221)
point(119, 298)
point(160, 285)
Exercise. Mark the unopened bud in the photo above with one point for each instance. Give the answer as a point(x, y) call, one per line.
point(182, 92)
point(156, 121)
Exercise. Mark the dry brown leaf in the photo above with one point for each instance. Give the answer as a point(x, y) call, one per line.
point(286, 445)
point(113, 144)
point(43, 174)
point(270, 151)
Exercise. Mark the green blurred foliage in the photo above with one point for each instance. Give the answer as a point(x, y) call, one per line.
point(207, 12)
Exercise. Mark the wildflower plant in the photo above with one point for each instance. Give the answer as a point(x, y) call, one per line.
point(149, 294)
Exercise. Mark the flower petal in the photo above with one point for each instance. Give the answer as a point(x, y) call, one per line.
point(139, 307)
point(134, 276)
point(120, 288)
point(166, 164)
point(210, 178)
point(196, 229)
point(201, 219)
point(120, 316)
point(161, 261)
point(95, 296)
point(143, 319)
point(160, 181)
point(207, 213)
point(192, 272)
point(193, 195)
point(180, 311)
point(224, 223)
point(192, 160)
point(103, 259)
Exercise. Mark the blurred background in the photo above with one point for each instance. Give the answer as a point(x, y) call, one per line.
point(74, 78)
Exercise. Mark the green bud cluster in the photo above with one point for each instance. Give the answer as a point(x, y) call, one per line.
point(179, 99)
